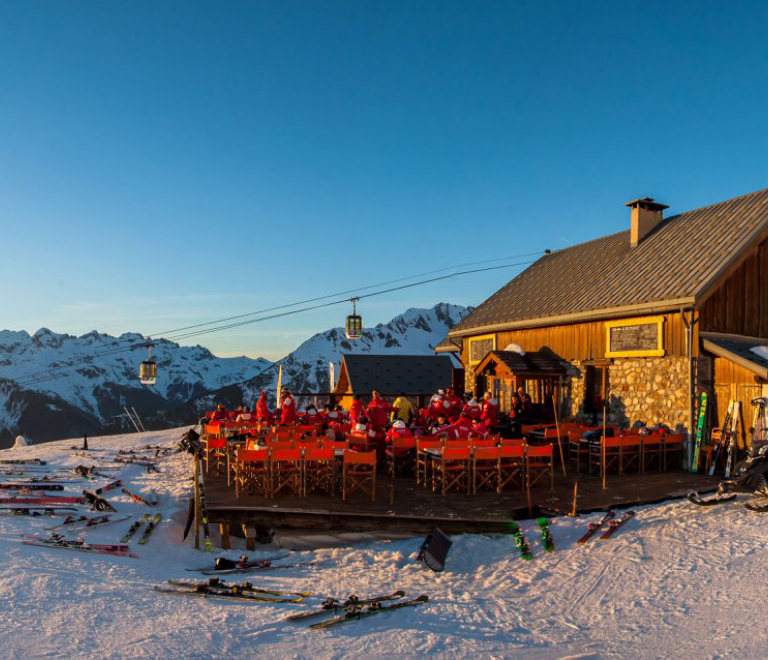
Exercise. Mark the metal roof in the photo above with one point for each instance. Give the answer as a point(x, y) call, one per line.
point(534, 363)
point(448, 345)
point(737, 349)
point(392, 374)
point(672, 266)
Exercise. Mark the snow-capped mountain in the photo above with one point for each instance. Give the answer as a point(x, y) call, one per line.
point(79, 397)
point(415, 332)
point(53, 385)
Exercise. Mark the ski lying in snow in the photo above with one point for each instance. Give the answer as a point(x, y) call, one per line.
point(134, 461)
point(594, 527)
point(216, 583)
point(522, 544)
point(614, 525)
point(32, 485)
point(42, 500)
point(57, 541)
point(546, 536)
point(206, 591)
point(22, 461)
point(138, 499)
point(108, 487)
point(261, 566)
point(333, 605)
point(36, 510)
point(355, 612)
point(694, 498)
point(135, 528)
point(150, 528)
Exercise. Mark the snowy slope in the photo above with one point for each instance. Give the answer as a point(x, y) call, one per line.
point(677, 582)
point(415, 332)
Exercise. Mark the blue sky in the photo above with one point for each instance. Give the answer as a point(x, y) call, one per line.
point(166, 163)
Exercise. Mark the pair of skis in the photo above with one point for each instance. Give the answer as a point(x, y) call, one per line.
point(244, 565)
point(522, 544)
point(355, 612)
point(59, 542)
point(151, 522)
point(613, 525)
point(233, 592)
point(85, 522)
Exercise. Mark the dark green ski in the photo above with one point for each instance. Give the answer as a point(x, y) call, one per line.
point(700, 428)
point(522, 544)
point(150, 528)
point(135, 527)
point(546, 535)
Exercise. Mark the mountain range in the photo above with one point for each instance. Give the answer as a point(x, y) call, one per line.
point(56, 386)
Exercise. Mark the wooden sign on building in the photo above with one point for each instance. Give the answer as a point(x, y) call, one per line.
point(635, 337)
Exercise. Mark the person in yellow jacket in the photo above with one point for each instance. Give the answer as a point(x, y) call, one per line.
point(402, 409)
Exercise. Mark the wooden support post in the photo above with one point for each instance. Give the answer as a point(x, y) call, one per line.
point(250, 540)
point(605, 471)
point(575, 496)
point(197, 502)
point(224, 532)
point(559, 441)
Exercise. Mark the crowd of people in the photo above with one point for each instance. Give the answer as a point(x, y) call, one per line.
point(447, 416)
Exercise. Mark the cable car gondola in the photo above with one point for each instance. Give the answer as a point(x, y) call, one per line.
point(354, 326)
point(148, 369)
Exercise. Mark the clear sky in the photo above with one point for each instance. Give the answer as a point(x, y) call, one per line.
point(166, 163)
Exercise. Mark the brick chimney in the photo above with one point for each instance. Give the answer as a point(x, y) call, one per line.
point(646, 216)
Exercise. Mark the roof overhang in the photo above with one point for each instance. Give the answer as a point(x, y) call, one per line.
point(579, 317)
point(736, 349)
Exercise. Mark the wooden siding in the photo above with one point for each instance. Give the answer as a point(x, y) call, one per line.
point(584, 341)
point(732, 381)
point(740, 304)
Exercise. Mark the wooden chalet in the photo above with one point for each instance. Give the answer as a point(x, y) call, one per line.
point(418, 376)
point(648, 318)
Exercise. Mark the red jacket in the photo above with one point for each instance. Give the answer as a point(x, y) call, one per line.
point(395, 432)
point(473, 411)
point(479, 431)
point(262, 409)
point(490, 414)
point(378, 412)
point(436, 407)
point(356, 411)
point(288, 410)
point(312, 417)
point(219, 415)
point(450, 429)
point(452, 405)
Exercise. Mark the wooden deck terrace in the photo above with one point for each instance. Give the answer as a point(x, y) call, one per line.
point(403, 507)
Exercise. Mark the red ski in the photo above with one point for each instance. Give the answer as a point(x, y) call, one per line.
point(614, 525)
point(42, 500)
point(594, 527)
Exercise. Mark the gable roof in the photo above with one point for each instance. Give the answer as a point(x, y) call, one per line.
point(392, 374)
point(673, 266)
point(535, 363)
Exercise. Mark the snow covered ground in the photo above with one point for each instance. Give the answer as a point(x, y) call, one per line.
point(677, 581)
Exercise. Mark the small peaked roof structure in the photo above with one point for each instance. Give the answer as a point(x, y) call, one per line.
point(531, 365)
point(738, 349)
point(676, 264)
point(392, 374)
point(448, 345)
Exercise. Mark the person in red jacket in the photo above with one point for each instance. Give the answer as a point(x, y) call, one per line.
point(452, 405)
point(436, 405)
point(443, 428)
point(472, 409)
point(463, 426)
point(311, 416)
point(287, 409)
point(479, 429)
point(262, 408)
point(378, 411)
point(219, 415)
point(490, 414)
point(399, 430)
point(356, 410)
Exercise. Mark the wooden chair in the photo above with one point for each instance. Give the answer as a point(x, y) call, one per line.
point(400, 454)
point(538, 464)
point(459, 443)
point(286, 471)
point(479, 442)
point(334, 444)
point(453, 469)
point(485, 468)
point(511, 467)
point(651, 450)
point(306, 444)
point(280, 445)
point(514, 442)
point(319, 470)
point(496, 437)
point(359, 473)
point(252, 472)
point(423, 459)
point(577, 450)
point(673, 449)
point(216, 453)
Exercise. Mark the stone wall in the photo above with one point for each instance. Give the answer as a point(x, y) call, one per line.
point(650, 390)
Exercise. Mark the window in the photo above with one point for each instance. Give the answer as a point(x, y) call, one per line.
point(596, 387)
point(479, 347)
